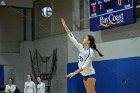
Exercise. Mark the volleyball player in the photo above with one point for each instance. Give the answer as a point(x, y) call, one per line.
point(86, 56)
point(29, 86)
point(40, 86)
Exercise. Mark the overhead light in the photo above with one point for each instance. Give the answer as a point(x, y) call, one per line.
point(138, 6)
point(3, 3)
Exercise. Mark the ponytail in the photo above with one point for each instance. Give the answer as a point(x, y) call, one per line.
point(93, 45)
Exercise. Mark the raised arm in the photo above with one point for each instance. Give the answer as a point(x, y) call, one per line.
point(72, 38)
point(65, 26)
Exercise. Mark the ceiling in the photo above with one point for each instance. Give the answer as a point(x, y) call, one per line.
point(19, 3)
point(29, 3)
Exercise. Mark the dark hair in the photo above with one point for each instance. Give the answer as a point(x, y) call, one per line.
point(93, 45)
point(40, 78)
point(30, 76)
point(11, 80)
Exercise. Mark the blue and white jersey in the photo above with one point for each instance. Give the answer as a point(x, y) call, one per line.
point(29, 87)
point(85, 57)
point(41, 87)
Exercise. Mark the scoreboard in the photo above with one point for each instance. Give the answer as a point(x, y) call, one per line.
point(111, 13)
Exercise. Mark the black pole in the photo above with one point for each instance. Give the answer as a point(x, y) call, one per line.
point(18, 7)
point(24, 25)
point(33, 22)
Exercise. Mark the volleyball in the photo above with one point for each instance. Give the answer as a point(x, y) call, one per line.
point(46, 12)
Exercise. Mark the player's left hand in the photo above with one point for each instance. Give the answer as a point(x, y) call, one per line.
point(70, 75)
point(63, 22)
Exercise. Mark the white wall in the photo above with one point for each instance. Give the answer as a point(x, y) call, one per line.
point(122, 32)
point(45, 47)
point(120, 49)
point(111, 50)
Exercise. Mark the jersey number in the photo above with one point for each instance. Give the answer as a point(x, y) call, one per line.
point(81, 59)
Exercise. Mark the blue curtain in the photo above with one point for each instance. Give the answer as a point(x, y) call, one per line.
point(1, 75)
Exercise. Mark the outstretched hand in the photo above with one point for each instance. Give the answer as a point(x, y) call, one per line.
point(63, 22)
point(70, 75)
point(65, 26)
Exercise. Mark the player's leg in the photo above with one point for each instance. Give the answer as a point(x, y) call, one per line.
point(85, 84)
point(90, 85)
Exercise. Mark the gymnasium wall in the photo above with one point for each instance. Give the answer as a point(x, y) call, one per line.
point(13, 68)
point(117, 71)
point(16, 52)
point(115, 50)
point(118, 45)
point(122, 32)
point(115, 45)
point(46, 27)
point(28, 25)
point(116, 54)
point(112, 50)
point(11, 29)
point(11, 34)
point(112, 76)
point(45, 47)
